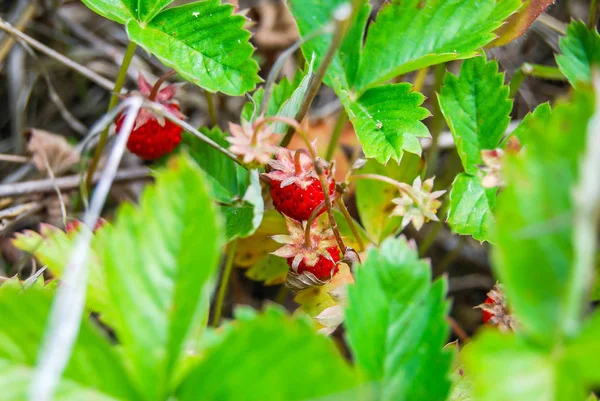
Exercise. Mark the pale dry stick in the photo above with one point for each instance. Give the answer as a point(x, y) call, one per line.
point(14, 158)
point(586, 206)
point(86, 72)
point(61, 201)
point(68, 183)
point(67, 307)
point(8, 42)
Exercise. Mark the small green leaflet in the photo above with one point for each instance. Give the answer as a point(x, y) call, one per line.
point(580, 52)
point(477, 108)
point(412, 34)
point(159, 260)
point(471, 207)
point(204, 42)
point(397, 332)
point(387, 120)
point(261, 357)
point(115, 10)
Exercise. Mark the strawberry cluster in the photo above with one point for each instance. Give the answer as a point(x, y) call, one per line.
point(297, 193)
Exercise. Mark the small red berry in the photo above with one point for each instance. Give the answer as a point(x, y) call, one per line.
point(153, 137)
point(324, 268)
point(485, 315)
point(295, 186)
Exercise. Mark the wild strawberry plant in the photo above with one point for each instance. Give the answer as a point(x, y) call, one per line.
point(533, 194)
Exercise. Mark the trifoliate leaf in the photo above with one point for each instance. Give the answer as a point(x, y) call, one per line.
point(471, 208)
point(160, 259)
point(580, 50)
point(295, 364)
point(204, 42)
point(477, 108)
point(412, 34)
point(387, 120)
point(396, 326)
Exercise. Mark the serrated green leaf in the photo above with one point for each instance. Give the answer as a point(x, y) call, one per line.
point(412, 34)
point(312, 15)
point(148, 9)
point(158, 266)
point(387, 120)
point(505, 367)
point(53, 248)
point(374, 198)
point(115, 10)
point(471, 208)
point(477, 108)
point(580, 51)
point(541, 114)
point(535, 216)
point(204, 42)
point(95, 370)
point(396, 326)
point(278, 345)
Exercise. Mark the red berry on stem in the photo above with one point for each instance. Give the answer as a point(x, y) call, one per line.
point(152, 136)
point(324, 268)
point(295, 186)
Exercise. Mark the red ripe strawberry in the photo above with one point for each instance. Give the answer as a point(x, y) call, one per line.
point(295, 186)
point(318, 256)
point(153, 137)
point(324, 268)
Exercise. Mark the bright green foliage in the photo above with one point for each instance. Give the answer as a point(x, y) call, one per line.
point(204, 42)
point(148, 9)
point(396, 325)
point(312, 15)
point(412, 34)
point(387, 120)
point(116, 10)
point(53, 248)
point(374, 198)
point(540, 114)
point(580, 52)
point(505, 367)
point(233, 186)
point(471, 208)
point(271, 357)
point(477, 108)
point(534, 215)
point(159, 259)
point(282, 91)
point(95, 371)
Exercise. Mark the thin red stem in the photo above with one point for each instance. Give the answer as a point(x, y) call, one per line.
point(158, 84)
point(309, 223)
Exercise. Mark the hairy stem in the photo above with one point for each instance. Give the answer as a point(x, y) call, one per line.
point(341, 28)
point(403, 187)
point(329, 206)
point(158, 84)
point(340, 202)
point(224, 282)
point(335, 136)
point(114, 99)
point(534, 70)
